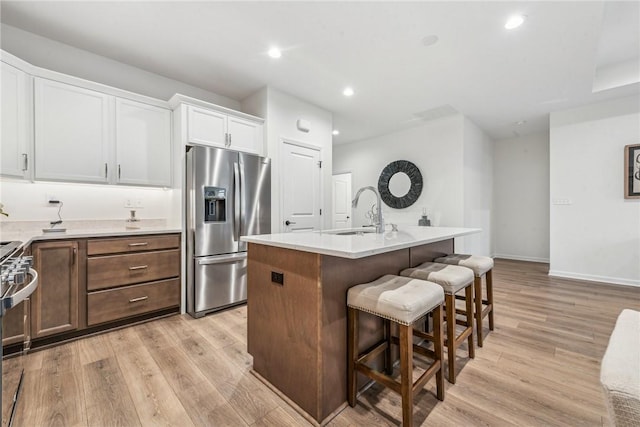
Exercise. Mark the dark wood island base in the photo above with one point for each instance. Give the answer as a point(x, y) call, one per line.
point(297, 329)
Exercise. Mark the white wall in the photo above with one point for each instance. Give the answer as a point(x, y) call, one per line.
point(451, 153)
point(52, 55)
point(597, 236)
point(521, 198)
point(478, 188)
point(282, 112)
point(27, 201)
point(435, 148)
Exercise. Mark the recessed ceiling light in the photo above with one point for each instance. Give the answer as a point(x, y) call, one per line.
point(348, 91)
point(336, 132)
point(274, 52)
point(514, 22)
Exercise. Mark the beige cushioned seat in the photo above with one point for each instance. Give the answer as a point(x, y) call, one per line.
point(399, 299)
point(479, 264)
point(452, 278)
point(620, 371)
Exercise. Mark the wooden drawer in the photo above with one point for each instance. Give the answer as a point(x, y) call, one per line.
point(115, 304)
point(132, 244)
point(119, 270)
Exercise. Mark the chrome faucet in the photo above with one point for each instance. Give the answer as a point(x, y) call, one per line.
point(354, 203)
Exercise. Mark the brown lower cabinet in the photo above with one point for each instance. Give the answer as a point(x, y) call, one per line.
point(93, 284)
point(54, 304)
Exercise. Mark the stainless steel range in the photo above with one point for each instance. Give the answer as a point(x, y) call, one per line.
point(18, 280)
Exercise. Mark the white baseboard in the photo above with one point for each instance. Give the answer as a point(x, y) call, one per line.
point(594, 278)
point(521, 258)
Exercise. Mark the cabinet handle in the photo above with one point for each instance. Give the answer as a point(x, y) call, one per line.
point(106, 171)
point(119, 173)
point(25, 157)
point(139, 244)
point(75, 256)
point(139, 299)
point(229, 139)
point(138, 267)
point(226, 139)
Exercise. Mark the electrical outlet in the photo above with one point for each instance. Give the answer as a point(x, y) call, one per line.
point(50, 197)
point(128, 203)
point(277, 278)
point(138, 203)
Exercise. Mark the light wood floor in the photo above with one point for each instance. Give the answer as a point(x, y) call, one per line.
point(539, 367)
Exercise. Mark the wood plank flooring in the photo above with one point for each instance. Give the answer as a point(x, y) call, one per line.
point(540, 366)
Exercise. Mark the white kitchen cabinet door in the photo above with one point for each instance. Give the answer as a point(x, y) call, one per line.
point(143, 144)
point(72, 132)
point(16, 106)
point(206, 127)
point(245, 135)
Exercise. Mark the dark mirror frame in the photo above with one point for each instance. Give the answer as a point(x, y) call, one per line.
point(414, 192)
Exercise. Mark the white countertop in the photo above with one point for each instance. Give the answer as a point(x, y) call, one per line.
point(359, 246)
point(28, 232)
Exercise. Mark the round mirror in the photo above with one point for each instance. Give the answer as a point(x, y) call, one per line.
point(400, 184)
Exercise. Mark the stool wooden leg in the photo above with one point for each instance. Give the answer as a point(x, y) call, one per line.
point(468, 298)
point(489, 278)
point(406, 373)
point(438, 348)
point(352, 351)
point(450, 306)
point(388, 363)
point(477, 289)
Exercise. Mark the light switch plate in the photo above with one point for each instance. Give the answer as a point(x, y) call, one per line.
point(128, 203)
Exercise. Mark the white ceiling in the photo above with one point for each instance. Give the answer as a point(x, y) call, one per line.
point(493, 76)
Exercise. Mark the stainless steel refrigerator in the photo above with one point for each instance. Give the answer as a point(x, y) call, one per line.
point(228, 195)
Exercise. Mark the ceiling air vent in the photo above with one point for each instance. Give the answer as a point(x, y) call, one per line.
point(436, 113)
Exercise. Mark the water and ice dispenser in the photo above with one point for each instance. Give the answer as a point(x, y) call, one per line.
point(215, 204)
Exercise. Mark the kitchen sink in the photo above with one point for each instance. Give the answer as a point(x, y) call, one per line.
point(352, 231)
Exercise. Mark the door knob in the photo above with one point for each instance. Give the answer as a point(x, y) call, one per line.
point(287, 222)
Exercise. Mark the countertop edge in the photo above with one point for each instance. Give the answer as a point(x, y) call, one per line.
point(71, 235)
point(363, 253)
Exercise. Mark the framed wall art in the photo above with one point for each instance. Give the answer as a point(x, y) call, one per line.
point(632, 171)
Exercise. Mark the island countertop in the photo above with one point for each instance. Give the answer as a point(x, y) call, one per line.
point(360, 245)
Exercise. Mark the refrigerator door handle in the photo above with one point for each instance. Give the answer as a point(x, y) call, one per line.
point(222, 259)
point(236, 201)
point(240, 196)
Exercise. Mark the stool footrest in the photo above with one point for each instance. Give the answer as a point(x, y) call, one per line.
point(426, 376)
point(373, 352)
point(378, 376)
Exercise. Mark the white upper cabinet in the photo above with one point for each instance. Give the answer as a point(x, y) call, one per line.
point(143, 144)
point(16, 107)
point(83, 135)
point(206, 127)
point(72, 132)
point(244, 135)
point(199, 122)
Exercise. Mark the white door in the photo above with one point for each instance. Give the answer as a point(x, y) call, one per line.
point(245, 135)
point(341, 200)
point(206, 127)
point(143, 144)
point(16, 153)
point(300, 177)
point(72, 128)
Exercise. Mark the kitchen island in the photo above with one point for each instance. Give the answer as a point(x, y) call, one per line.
point(296, 304)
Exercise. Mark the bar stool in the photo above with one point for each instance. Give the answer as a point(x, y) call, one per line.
point(403, 301)
point(452, 279)
point(481, 266)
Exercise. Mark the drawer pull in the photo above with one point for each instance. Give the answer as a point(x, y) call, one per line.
point(139, 299)
point(138, 244)
point(138, 267)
